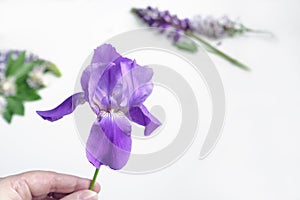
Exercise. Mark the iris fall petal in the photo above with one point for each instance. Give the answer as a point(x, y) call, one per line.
point(65, 108)
point(142, 116)
point(109, 142)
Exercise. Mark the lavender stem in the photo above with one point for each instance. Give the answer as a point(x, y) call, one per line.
point(216, 51)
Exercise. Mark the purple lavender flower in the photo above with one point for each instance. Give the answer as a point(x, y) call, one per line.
point(3, 62)
point(115, 87)
point(164, 21)
point(14, 54)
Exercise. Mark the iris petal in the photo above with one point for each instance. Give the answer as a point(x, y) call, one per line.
point(109, 142)
point(103, 57)
point(110, 79)
point(93, 88)
point(65, 108)
point(136, 83)
point(125, 84)
point(142, 116)
point(105, 53)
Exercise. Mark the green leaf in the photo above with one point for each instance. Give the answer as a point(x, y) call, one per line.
point(24, 69)
point(27, 94)
point(13, 65)
point(15, 106)
point(7, 115)
point(51, 67)
point(187, 45)
point(22, 75)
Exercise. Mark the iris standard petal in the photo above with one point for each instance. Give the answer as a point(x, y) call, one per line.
point(113, 74)
point(65, 108)
point(105, 53)
point(126, 84)
point(84, 80)
point(97, 71)
point(103, 57)
point(142, 116)
point(137, 83)
point(119, 85)
point(103, 94)
point(109, 142)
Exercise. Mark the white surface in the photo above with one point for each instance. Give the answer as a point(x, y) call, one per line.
point(258, 156)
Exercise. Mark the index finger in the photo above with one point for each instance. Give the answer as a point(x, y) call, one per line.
point(42, 182)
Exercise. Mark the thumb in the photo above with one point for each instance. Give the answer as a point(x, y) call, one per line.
point(82, 195)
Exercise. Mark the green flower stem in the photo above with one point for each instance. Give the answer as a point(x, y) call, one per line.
point(94, 179)
point(262, 32)
point(216, 51)
point(245, 29)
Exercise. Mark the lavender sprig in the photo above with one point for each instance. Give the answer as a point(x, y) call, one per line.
point(165, 21)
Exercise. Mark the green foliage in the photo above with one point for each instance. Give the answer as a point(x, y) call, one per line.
point(7, 115)
point(15, 106)
point(25, 93)
point(51, 67)
point(19, 70)
point(187, 45)
point(14, 65)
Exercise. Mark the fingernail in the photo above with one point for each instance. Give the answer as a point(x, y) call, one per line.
point(89, 195)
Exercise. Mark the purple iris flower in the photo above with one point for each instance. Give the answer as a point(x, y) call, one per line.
point(115, 88)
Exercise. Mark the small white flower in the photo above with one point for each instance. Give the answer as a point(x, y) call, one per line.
point(8, 87)
point(2, 105)
point(36, 77)
point(14, 55)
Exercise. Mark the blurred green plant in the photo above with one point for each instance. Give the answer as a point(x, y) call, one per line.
point(22, 75)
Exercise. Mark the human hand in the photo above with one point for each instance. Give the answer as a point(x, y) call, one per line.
point(41, 185)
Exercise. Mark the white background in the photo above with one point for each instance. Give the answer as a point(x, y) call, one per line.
point(258, 156)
